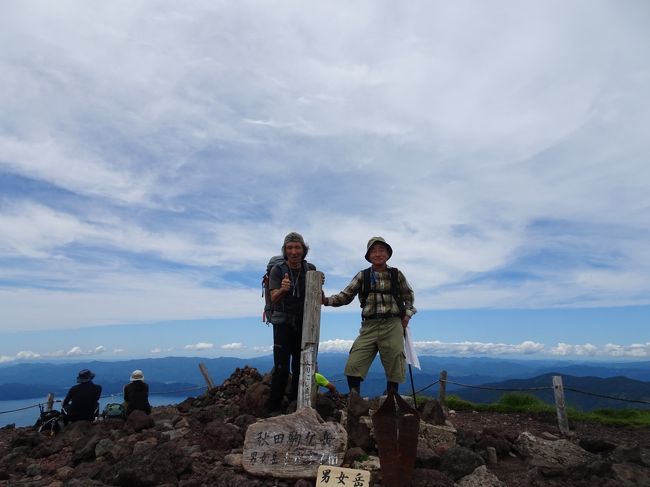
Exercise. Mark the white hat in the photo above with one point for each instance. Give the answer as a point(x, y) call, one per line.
point(137, 375)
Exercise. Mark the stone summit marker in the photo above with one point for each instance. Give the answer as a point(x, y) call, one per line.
point(293, 446)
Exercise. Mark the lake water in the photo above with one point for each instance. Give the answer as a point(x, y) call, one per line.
point(27, 417)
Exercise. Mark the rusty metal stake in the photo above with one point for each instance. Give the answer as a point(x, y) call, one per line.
point(397, 426)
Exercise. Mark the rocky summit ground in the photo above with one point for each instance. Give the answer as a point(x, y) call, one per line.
point(199, 443)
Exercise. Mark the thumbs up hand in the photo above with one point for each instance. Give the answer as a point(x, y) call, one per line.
point(286, 283)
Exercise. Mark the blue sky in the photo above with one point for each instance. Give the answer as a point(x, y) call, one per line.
point(153, 156)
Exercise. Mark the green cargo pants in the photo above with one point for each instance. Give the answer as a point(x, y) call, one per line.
point(383, 335)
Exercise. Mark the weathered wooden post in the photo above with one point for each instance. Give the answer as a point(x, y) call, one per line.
point(206, 376)
point(442, 390)
point(50, 402)
point(310, 338)
point(562, 419)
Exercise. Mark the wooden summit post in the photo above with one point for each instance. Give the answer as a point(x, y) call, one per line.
point(562, 418)
point(310, 338)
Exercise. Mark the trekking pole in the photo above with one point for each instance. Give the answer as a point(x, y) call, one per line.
point(415, 402)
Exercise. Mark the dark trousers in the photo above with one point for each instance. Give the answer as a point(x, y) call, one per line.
point(287, 343)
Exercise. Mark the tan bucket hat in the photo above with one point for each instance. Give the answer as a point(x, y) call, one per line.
point(380, 240)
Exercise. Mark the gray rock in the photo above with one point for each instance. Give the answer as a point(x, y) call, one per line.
point(426, 458)
point(480, 477)
point(551, 454)
point(139, 420)
point(423, 477)
point(233, 459)
point(293, 445)
point(432, 412)
point(255, 399)
point(458, 462)
point(222, 436)
point(630, 475)
point(103, 447)
point(371, 464)
point(354, 454)
point(491, 455)
point(432, 436)
point(627, 454)
point(33, 470)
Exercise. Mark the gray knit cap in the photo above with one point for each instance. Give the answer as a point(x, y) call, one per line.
point(294, 237)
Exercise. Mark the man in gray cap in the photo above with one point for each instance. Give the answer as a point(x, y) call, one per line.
point(287, 286)
point(386, 308)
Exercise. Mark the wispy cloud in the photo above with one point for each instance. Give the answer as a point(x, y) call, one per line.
point(467, 349)
point(526, 348)
point(199, 346)
point(564, 349)
point(72, 352)
point(478, 348)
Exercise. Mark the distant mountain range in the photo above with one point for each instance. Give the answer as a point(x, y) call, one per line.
point(629, 380)
point(586, 400)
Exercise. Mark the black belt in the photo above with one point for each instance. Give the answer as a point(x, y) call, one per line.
point(379, 316)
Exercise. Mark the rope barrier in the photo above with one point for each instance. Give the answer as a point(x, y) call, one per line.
point(425, 388)
point(500, 389)
point(103, 397)
point(531, 389)
point(606, 397)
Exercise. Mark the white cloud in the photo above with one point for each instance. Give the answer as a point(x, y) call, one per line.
point(77, 351)
point(478, 348)
point(336, 345)
point(26, 355)
point(155, 350)
point(564, 349)
point(199, 346)
point(139, 153)
point(637, 350)
point(267, 349)
point(233, 346)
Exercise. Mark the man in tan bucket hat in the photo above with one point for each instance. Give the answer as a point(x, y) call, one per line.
point(386, 308)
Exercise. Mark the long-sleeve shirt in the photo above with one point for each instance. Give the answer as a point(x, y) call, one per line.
point(380, 300)
point(81, 402)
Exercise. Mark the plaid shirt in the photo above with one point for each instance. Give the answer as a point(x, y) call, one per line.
point(379, 301)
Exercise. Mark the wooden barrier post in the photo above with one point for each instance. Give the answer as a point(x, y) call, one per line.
point(206, 376)
point(310, 337)
point(562, 419)
point(442, 390)
point(50, 402)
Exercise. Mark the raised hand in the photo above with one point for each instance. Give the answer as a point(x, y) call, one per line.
point(285, 285)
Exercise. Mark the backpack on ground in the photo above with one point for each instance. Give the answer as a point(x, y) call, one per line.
point(395, 289)
point(114, 410)
point(50, 422)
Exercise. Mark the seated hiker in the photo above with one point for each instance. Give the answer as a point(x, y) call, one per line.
point(322, 381)
point(82, 400)
point(136, 394)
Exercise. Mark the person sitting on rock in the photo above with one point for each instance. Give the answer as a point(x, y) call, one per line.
point(82, 400)
point(136, 394)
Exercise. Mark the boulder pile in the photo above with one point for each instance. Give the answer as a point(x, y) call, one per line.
point(200, 442)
